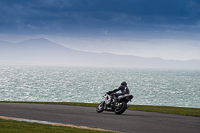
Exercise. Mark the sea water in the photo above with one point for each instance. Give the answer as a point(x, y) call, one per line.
point(167, 87)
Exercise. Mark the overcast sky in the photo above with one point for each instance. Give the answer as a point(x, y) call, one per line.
point(169, 29)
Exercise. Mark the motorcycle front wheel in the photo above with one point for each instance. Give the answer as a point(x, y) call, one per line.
point(121, 109)
point(100, 107)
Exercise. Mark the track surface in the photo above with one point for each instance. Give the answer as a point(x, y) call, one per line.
point(129, 122)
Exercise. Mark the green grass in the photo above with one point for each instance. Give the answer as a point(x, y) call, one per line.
point(9, 126)
point(167, 109)
point(160, 109)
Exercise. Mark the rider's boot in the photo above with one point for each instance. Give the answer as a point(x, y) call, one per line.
point(115, 99)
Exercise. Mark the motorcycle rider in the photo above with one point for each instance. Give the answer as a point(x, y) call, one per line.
point(124, 90)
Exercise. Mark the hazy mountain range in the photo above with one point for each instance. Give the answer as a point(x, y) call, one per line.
point(42, 51)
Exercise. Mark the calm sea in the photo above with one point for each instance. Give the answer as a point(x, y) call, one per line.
point(168, 87)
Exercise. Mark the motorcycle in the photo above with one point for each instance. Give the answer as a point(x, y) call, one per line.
point(115, 104)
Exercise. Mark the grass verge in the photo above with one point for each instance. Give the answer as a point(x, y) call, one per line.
point(167, 109)
point(149, 108)
point(23, 127)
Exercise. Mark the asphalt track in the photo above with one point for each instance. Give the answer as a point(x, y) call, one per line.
point(129, 122)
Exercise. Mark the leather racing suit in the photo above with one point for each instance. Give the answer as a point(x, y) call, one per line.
point(124, 90)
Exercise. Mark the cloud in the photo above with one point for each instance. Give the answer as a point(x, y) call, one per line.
point(32, 27)
point(130, 20)
point(100, 12)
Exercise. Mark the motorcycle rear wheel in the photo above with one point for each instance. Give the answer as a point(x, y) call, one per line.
point(121, 109)
point(100, 107)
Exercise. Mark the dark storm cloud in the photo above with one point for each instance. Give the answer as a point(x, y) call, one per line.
point(63, 16)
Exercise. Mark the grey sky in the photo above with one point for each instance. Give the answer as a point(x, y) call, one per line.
point(158, 28)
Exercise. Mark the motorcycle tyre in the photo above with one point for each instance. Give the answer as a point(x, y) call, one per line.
point(102, 109)
point(122, 109)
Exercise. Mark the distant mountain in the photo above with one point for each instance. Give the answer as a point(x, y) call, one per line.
point(42, 51)
point(4, 45)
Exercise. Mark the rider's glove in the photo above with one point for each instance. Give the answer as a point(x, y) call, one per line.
point(109, 92)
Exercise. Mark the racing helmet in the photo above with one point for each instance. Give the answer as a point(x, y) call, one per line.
point(124, 83)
